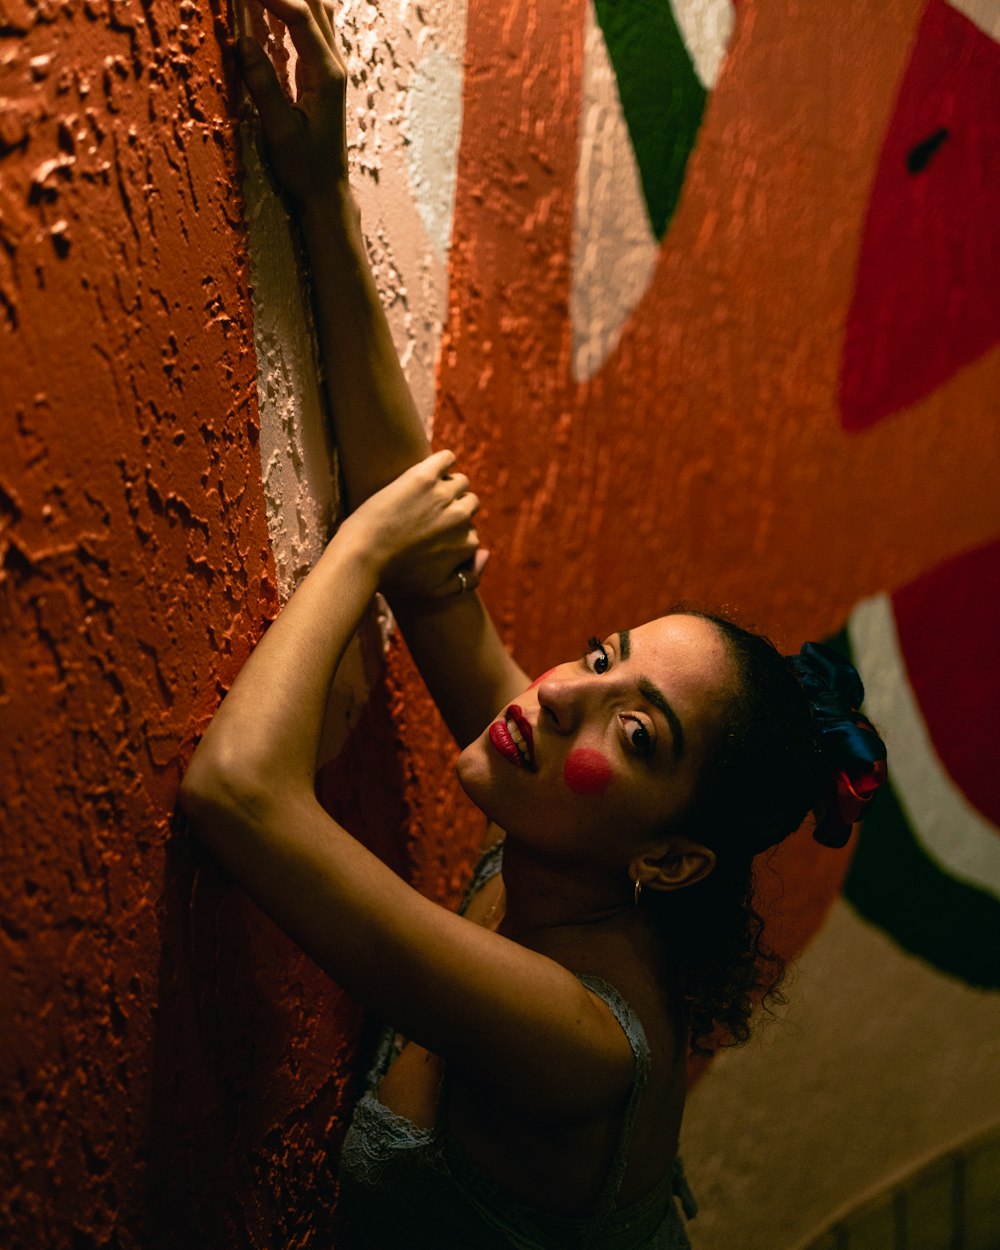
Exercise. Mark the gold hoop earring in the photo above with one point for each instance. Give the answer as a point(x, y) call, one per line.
point(638, 890)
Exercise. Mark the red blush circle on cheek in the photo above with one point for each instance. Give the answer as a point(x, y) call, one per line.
point(587, 772)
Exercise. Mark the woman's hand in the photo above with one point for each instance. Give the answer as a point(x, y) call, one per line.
point(306, 141)
point(419, 531)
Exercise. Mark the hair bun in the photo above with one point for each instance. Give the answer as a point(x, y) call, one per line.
point(853, 752)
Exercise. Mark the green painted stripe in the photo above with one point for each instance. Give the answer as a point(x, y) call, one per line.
point(662, 97)
point(895, 886)
point(892, 883)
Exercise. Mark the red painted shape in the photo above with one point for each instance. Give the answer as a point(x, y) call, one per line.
point(538, 680)
point(948, 622)
point(587, 772)
point(925, 299)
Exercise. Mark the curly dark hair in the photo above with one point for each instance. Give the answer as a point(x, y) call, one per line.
point(712, 939)
point(766, 773)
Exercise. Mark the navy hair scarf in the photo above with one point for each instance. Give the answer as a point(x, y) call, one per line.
point(853, 752)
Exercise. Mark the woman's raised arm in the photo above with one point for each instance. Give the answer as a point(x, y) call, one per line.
point(511, 1019)
point(377, 429)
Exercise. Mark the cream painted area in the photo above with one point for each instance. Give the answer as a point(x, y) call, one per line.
point(400, 57)
point(951, 831)
point(878, 1063)
point(707, 26)
point(297, 461)
point(296, 456)
point(404, 121)
point(433, 128)
point(389, 55)
point(984, 13)
point(614, 248)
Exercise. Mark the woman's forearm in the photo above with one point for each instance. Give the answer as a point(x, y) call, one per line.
point(379, 434)
point(265, 735)
point(377, 429)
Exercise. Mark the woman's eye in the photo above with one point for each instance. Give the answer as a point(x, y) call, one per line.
point(596, 656)
point(639, 737)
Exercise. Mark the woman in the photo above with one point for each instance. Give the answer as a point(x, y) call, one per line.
point(538, 1100)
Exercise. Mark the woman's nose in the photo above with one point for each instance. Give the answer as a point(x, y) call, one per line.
point(562, 702)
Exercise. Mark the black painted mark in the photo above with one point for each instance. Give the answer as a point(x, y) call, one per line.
point(919, 156)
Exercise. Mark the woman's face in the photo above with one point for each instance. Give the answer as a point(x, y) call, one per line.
point(593, 760)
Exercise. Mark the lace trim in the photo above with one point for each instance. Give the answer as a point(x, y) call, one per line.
point(377, 1137)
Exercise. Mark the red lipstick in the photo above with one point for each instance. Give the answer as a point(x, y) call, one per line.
point(511, 735)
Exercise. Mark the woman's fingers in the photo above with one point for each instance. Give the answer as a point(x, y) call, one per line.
point(469, 503)
point(464, 579)
point(479, 562)
point(311, 41)
point(280, 120)
point(438, 463)
point(324, 15)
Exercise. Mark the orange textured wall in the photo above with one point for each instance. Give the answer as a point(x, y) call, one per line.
point(706, 461)
point(173, 1071)
point(154, 1027)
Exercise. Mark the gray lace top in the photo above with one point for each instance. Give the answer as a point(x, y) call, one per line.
point(407, 1186)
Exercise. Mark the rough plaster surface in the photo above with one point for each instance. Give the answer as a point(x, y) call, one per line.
point(174, 1072)
point(296, 460)
point(404, 99)
point(404, 65)
point(434, 124)
point(879, 1063)
point(170, 1065)
point(404, 106)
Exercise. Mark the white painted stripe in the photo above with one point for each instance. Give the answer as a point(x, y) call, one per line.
point(614, 248)
point(706, 27)
point(949, 829)
point(295, 446)
point(434, 127)
point(983, 13)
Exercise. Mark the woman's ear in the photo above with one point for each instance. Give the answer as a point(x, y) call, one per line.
point(682, 863)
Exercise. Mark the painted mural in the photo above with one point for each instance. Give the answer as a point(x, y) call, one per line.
point(703, 295)
point(924, 298)
point(927, 867)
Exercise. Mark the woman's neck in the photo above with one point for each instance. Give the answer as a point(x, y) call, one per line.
point(541, 898)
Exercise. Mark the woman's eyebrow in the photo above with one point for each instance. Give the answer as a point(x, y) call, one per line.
point(659, 700)
point(654, 696)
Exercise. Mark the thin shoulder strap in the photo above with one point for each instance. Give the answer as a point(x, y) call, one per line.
point(487, 868)
point(489, 865)
point(636, 1034)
